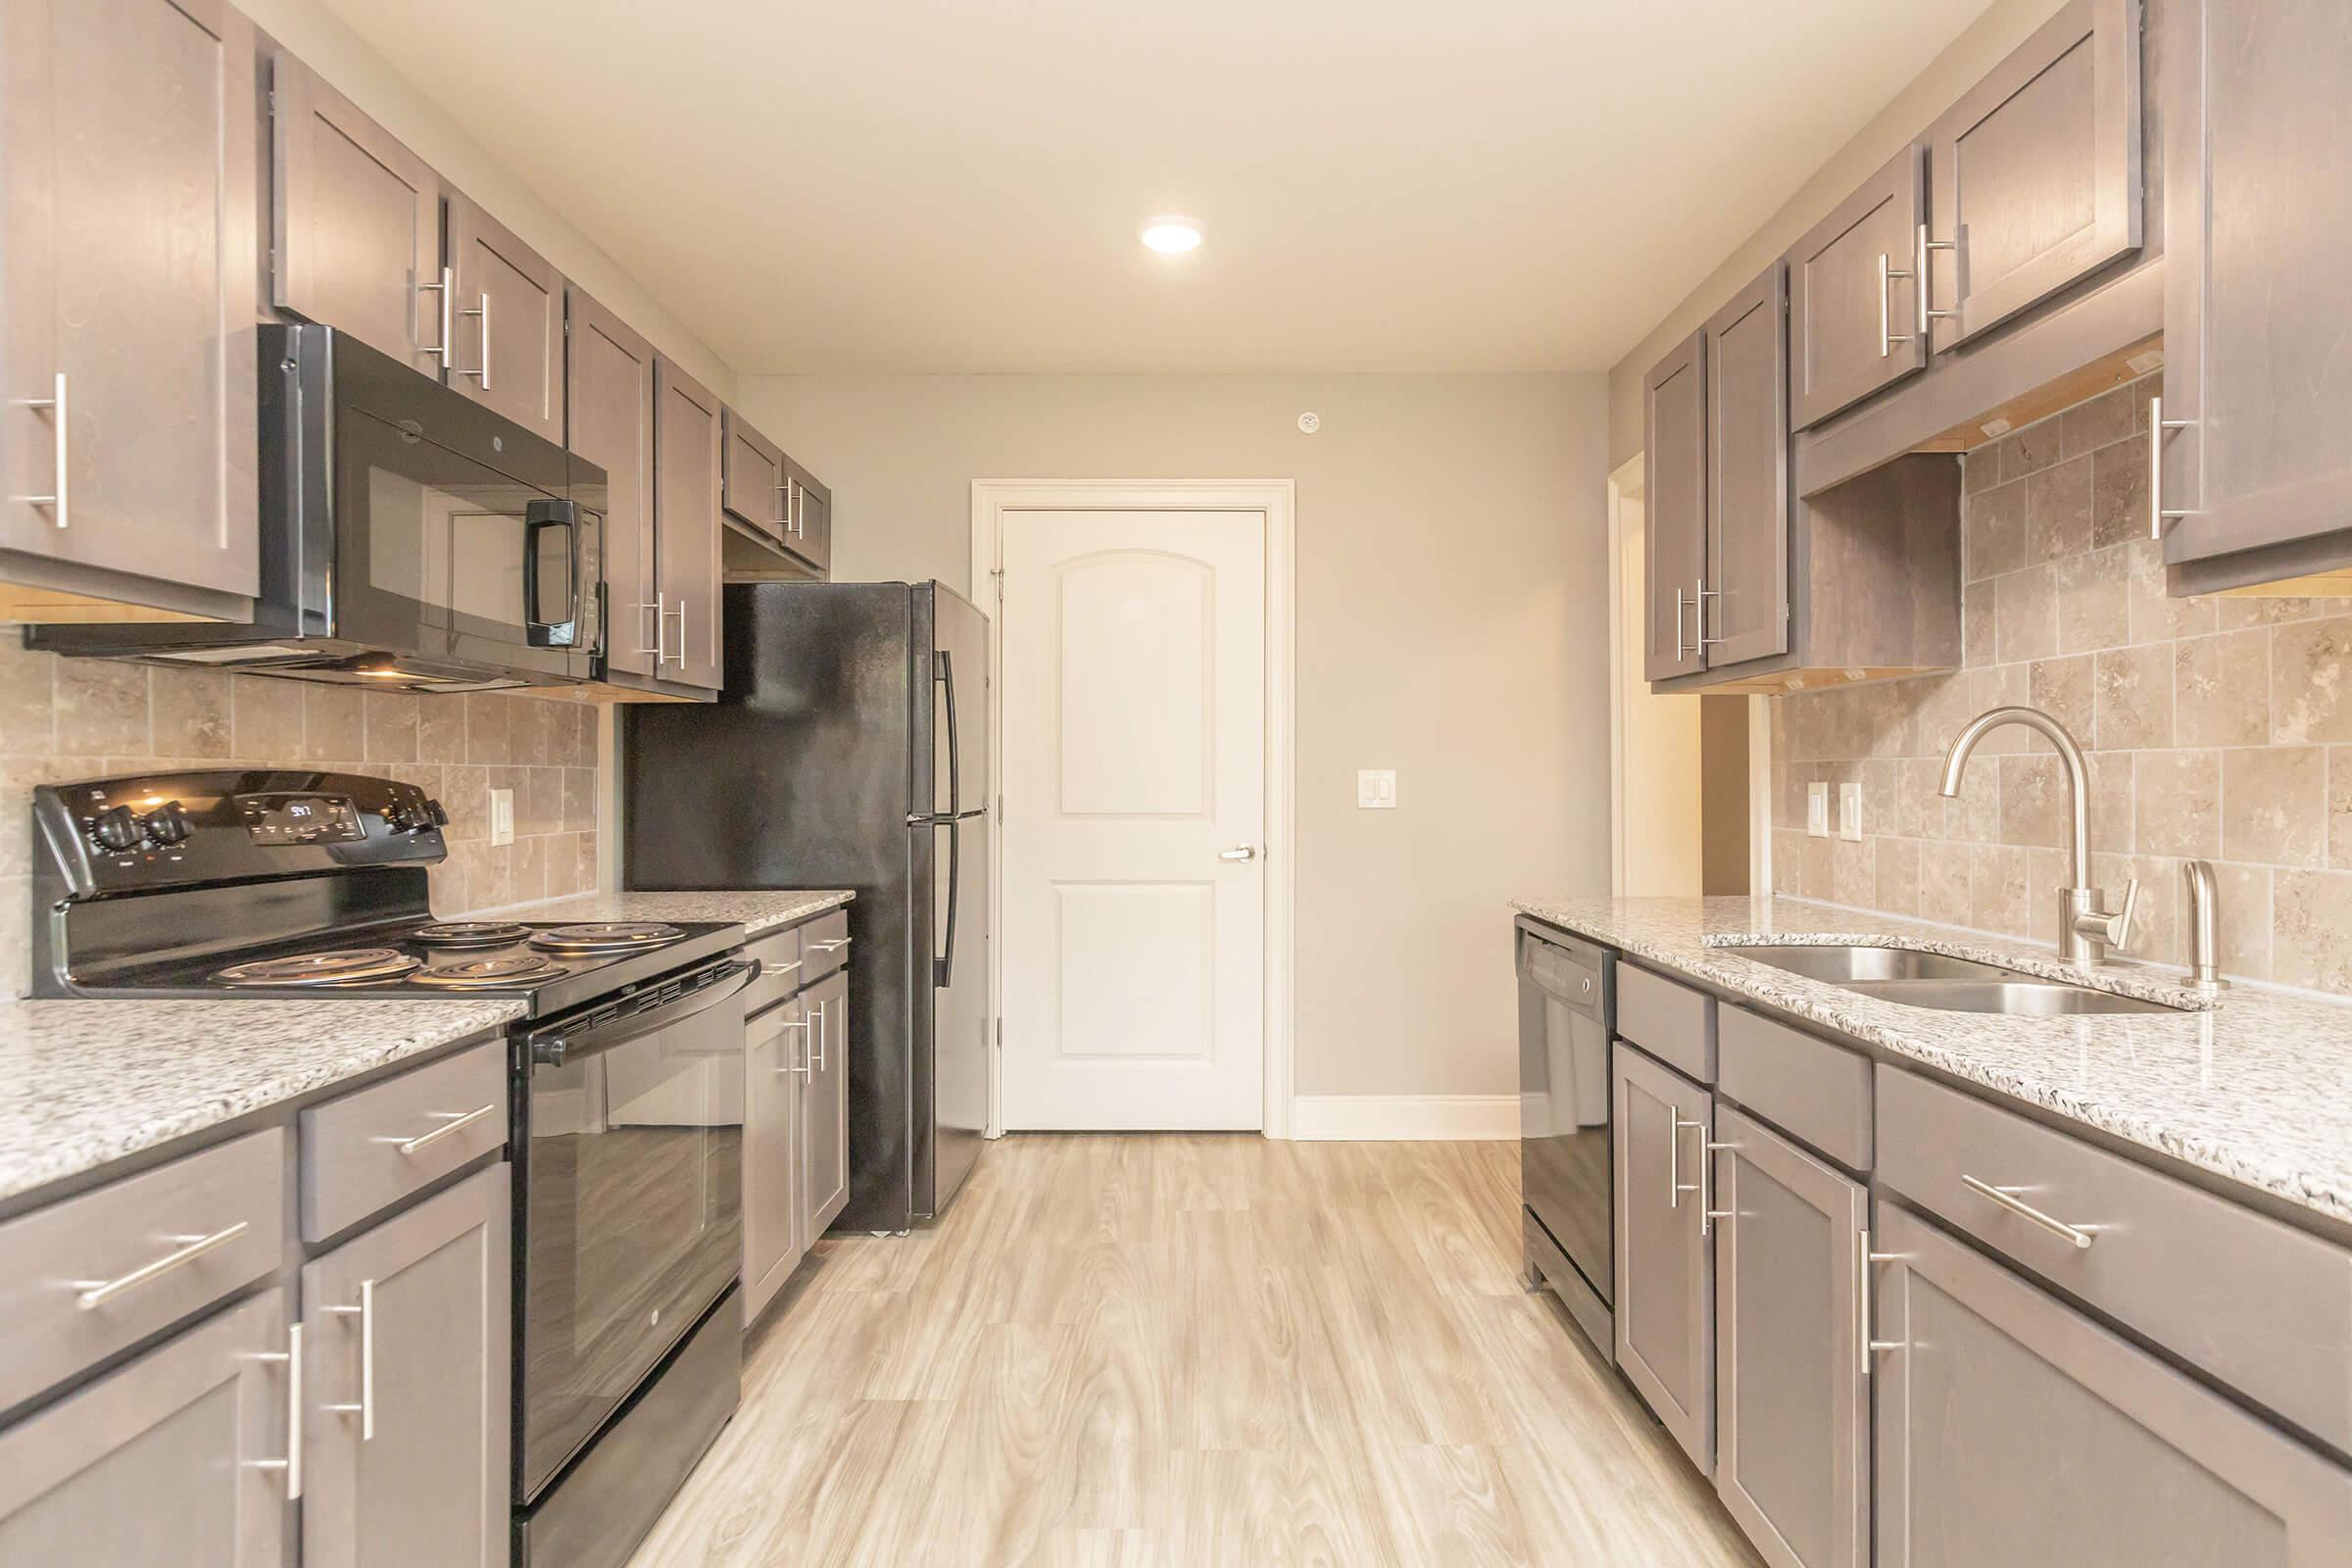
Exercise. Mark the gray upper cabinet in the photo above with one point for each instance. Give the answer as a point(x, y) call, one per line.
point(2011, 1429)
point(610, 413)
point(1793, 1419)
point(687, 429)
point(1674, 413)
point(778, 1062)
point(1665, 1319)
point(752, 486)
point(825, 1111)
point(2034, 175)
point(2259, 224)
point(128, 434)
point(808, 529)
point(177, 1458)
point(406, 1332)
point(1743, 609)
point(1853, 310)
point(507, 343)
point(357, 229)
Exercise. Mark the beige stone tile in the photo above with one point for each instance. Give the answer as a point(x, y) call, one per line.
point(101, 707)
point(445, 883)
point(2243, 920)
point(1946, 703)
point(1943, 881)
point(2340, 805)
point(2033, 804)
point(2154, 614)
point(1900, 798)
point(266, 718)
point(2062, 688)
point(2239, 610)
point(539, 808)
point(580, 800)
point(2156, 919)
point(2058, 511)
point(2030, 451)
point(1973, 815)
point(1992, 535)
point(334, 723)
point(465, 793)
point(2025, 616)
point(529, 863)
point(2000, 686)
point(1897, 871)
point(2119, 494)
point(2102, 421)
point(585, 728)
point(2310, 917)
point(1854, 871)
point(1999, 894)
point(391, 723)
point(2111, 800)
point(1819, 869)
point(2093, 608)
point(2131, 697)
point(2311, 682)
point(1788, 861)
point(1978, 607)
point(1980, 468)
point(28, 689)
point(2275, 806)
point(191, 711)
point(441, 729)
point(489, 729)
point(2177, 803)
point(584, 862)
point(2222, 689)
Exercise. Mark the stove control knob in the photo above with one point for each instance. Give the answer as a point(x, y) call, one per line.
point(116, 829)
point(440, 817)
point(168, 823)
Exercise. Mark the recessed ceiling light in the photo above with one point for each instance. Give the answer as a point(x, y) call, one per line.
point(1171, 236)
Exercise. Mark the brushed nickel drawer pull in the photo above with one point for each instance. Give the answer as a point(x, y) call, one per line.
point(1866, 1260)
point(1676, 1185)
point(834, 945)
point(291, 1464)
point(2006, 1196)
point(366, 1409)
point(1887, 338)
point(96, 1294)
point(447, 289)
point(1707, 1150)
point(59, 503)
point(2158, 512)
point(424, 1140)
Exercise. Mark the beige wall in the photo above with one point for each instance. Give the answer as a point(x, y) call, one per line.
point(322, 41)
point(1452, 623)
point(2004, 25)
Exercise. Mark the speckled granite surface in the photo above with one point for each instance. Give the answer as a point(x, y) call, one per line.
point(2258, 1091)
point(756, 911)
point(83, 1083)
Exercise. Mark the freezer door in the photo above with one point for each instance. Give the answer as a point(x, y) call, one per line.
point(951, 740)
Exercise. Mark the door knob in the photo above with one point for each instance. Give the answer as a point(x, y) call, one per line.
point(1240, 852)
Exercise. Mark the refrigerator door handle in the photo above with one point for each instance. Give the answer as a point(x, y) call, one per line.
point(946, 676)
point(943, 968)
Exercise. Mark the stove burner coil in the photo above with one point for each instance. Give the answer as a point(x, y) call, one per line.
point(469, 933)
point(489, 971)
point(605, 936)
point(338, 966)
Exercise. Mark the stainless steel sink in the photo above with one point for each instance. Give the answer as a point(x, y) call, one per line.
point(1954, 985)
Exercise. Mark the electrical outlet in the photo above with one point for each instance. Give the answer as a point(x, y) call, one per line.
point(501, 816)
point(1850, 811)
point(1376, 789)
point(1817, 809)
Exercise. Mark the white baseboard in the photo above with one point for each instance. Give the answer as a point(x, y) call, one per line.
point(1338, 1119)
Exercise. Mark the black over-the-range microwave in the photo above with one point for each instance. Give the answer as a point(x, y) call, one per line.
point(411, 538)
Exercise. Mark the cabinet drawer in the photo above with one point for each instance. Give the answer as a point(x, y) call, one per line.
point(2259, 1305)
point(371, 1149)
point(1808, 1087)
point(163, 1245)
point(779, 955)
point(1672, 1022)
point(825, 945)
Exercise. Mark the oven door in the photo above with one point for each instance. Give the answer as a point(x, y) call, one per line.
point(1564, 1001)
point(628, 1199)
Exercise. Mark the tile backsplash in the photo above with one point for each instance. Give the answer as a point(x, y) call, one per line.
point(70, 719)
point(2217, 727)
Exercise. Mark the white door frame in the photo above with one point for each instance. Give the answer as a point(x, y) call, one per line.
point(1625, 483)
point(1277, 500)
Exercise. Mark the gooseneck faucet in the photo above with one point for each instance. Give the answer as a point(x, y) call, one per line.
point(2086, 931)
point(2204, 929)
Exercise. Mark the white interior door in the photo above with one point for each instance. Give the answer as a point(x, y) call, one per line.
point(1134, 712)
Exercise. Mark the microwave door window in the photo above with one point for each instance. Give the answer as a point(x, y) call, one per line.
point(444, 542)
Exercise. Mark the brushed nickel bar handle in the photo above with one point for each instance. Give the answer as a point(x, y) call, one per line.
point(291, 1464)
point(804, 1025)
point(366, 1409)
point(447, 288)
point(95, 1294)
point(2157, 426)
point(833, 946)
point(1707, 1150)
point(1869, 1347)
point(661, 625)
point(1888, 337)
point(1704, 641)
point(484, 374)
point(1927, 278)
point(424, 1140)
point(57, 501)
point(1673, 1164)
point(1679, 652)
point(816, 1060)
point(2075, 1235)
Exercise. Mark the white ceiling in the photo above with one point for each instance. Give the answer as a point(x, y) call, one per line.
point(955, 185)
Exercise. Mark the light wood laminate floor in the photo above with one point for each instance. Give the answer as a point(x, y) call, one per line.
point(1187, 1350)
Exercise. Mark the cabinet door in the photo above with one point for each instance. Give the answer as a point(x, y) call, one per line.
point(825, 1116)
point(686, 526)
point(2035, 176)
point(752, 486)
point(608, 374)
point(1743, 607)
point(2258, 221)
point(1673, 462)
point(131, 189)
point(508, 349)
point(809, 531)
point(358, 224)
point(1665, 1253)
point(2011, 1429)
point(176, 1458)
point(777, 1062)
point(1791, 1421)
point(1852, 311)
point(409, 1386)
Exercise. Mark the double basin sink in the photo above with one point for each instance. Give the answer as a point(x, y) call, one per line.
point(1937, 980)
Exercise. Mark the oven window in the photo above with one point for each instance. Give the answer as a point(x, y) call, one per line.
point(632, 1222)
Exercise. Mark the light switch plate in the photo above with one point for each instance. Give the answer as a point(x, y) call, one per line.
point(1376, 789)
point(1817, 809)
point(501, 816)
point(1850, 811)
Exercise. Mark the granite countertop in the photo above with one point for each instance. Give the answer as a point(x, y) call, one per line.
point(89, 1082)
point(2258, 1091)
point(755, 910)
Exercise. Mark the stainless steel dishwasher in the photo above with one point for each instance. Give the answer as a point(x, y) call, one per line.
point(1567, 1012)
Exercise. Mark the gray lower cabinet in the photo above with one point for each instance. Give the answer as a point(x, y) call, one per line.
point(2259, 222)
point(1791, 1404)
point(177, 1458)
point(1852, 312)
point(507, 349)
point(1674, 487)
point(409, 1389)
point(1665, 1317)
point(777, 1064)
point(687, 568)
point(2011, 1429)
point(825, 1113)
point(128, 434)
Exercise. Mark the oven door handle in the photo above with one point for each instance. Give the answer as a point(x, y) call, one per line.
point(555, 1047)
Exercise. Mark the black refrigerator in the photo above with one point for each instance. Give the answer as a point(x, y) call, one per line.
point(848, 749)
